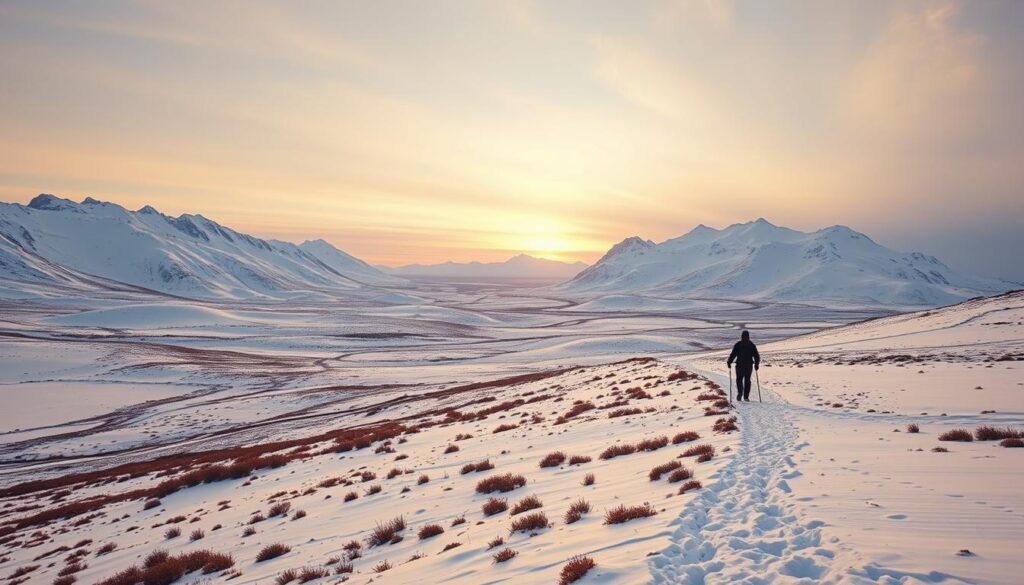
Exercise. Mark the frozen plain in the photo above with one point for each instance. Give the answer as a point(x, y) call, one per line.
point(805, 491)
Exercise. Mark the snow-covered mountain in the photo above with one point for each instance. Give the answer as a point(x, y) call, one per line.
point(761, 261)
point(57, 242)
point(521, 266)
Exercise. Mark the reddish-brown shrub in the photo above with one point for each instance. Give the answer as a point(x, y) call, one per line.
point(106, 549)
point(473, 467)
point(65, 580)
point(990, 433)
point(161, 568)
point(382, 566)
point(151, 503)
point(494, 506)
point(505, 554)
point(957, 435)
point(429, 531)
point(576, 410)
point(725, 425)
point(659, 470)
point(350, 496)
point(423, 479)
point(622, 513)
point(528, 522)
point(576, 511)
point(588, 479)
point(196, 535)
point(279, 509)
point(575, 569)
point(707, 396)
point(505, 482)
point(172, 533)
point(624, 412)
point(1012, 443)
point(553, 459)
point(652, 444)
point(307, 574)
point(685, 437)
point(495, 542)
point(451, 449)
point(286, 576)
point(272, 551)
point(450, 546)
point(679, 475)
point(913, 428)
point(526, 504)
point(617, 451)
point(343, 568)
point(385, 532)
point(693, 484)
point(504, 427)
point(459, 520)
point(696, 450)
point(579, 459)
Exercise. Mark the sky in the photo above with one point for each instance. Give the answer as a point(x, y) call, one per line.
point(414, 131)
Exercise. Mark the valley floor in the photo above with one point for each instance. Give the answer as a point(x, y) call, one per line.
point(312, 430)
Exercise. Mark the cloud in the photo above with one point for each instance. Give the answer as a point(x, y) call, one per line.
point(920, 82)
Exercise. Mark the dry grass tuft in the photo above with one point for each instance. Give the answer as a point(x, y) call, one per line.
point(530, 522)
point(679, 474)
point(553, 459)
point(272, 551)
point(913, 428)
point(505, 554)
point(957, 435)
point(430, 531)
point(622, 513)
point(990, 433)
point(474, 467)
point(575, 569)
point(504, 427)
point(494, 506)
point(685, 437)
point(588, 479)
point(505, 482)
point(700, 450)
point(576, 511)
point(526, 504)
point(1012, 443)
point(693, 484)
point(579, 459)
point(386, 532)
point(662, 469)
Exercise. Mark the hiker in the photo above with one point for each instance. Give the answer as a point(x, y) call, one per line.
point(744, 353)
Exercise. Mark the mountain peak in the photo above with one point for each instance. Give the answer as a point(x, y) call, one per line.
point(50, 202)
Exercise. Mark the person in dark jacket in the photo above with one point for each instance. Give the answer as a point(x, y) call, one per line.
point(744, 353)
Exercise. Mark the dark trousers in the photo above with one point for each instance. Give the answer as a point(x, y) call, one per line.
point(743, 374)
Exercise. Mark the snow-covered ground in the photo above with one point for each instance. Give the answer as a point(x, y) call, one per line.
point(816, 485)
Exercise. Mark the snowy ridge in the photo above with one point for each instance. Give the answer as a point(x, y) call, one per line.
point(763, 262)
point(57, 242)
point(520, 266)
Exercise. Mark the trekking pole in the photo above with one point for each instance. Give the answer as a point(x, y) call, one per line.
point(758, 385)
point(730, 384)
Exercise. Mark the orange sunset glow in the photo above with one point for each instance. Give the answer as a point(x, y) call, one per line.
point(414, 132)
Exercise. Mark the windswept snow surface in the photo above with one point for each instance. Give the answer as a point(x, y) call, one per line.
point(816, 486)
point(763, 262)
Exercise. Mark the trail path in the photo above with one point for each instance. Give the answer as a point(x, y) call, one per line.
point(743, 528)
point(747, 526)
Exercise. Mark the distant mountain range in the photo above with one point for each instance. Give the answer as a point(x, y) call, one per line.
point(521, 266)
point(765, 262)
point(54, 244)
